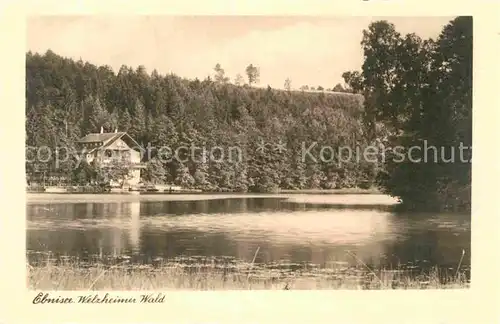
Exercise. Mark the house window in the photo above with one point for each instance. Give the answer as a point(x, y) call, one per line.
point(126, 155)
point(108, 153)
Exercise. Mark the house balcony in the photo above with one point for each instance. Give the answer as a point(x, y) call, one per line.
point(139, 165)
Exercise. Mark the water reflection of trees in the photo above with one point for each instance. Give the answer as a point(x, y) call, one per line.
point(432, 239)
point(117, 228)
point(91, 229)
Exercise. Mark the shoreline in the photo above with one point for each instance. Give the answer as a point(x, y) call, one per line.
point(343, 198)
point(345, 191)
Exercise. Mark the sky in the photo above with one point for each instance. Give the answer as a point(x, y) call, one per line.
point(309, 50)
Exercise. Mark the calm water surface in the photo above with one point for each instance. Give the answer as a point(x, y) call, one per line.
point(317, 229)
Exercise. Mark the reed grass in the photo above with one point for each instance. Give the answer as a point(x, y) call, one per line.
point(71, 275)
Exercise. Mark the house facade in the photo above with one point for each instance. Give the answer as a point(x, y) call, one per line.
point(108, 150)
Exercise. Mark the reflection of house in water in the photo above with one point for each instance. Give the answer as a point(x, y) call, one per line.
point(134, 230)
point(122, 236)
point(89, 210)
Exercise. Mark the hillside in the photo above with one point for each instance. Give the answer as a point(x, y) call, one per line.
point(66, 99)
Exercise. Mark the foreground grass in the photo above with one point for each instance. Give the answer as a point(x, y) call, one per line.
point(171, 275)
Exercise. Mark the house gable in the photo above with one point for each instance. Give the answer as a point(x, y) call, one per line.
point(118, 144)
point(124, 141)
point(119, 140)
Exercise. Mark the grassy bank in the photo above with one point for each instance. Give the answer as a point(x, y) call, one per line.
point(168, 276)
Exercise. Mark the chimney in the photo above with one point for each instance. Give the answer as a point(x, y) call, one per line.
point(102, 130)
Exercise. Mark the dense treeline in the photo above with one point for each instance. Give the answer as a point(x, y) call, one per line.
point(68, 99)
point(421, 91)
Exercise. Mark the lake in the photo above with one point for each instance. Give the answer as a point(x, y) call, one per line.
point(293, 228)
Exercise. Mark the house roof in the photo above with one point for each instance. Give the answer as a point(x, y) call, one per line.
point(100, 137)
point(104, 139)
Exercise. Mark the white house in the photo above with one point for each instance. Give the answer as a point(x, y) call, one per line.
point(107, 148)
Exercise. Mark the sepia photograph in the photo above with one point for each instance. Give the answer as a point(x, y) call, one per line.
point(248, 153)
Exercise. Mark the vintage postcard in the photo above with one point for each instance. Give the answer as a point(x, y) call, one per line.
point(250, 156)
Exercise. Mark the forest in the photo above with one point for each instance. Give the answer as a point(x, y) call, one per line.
point(408, 90)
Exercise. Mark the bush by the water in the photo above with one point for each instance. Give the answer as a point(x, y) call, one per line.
point(418, 95)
